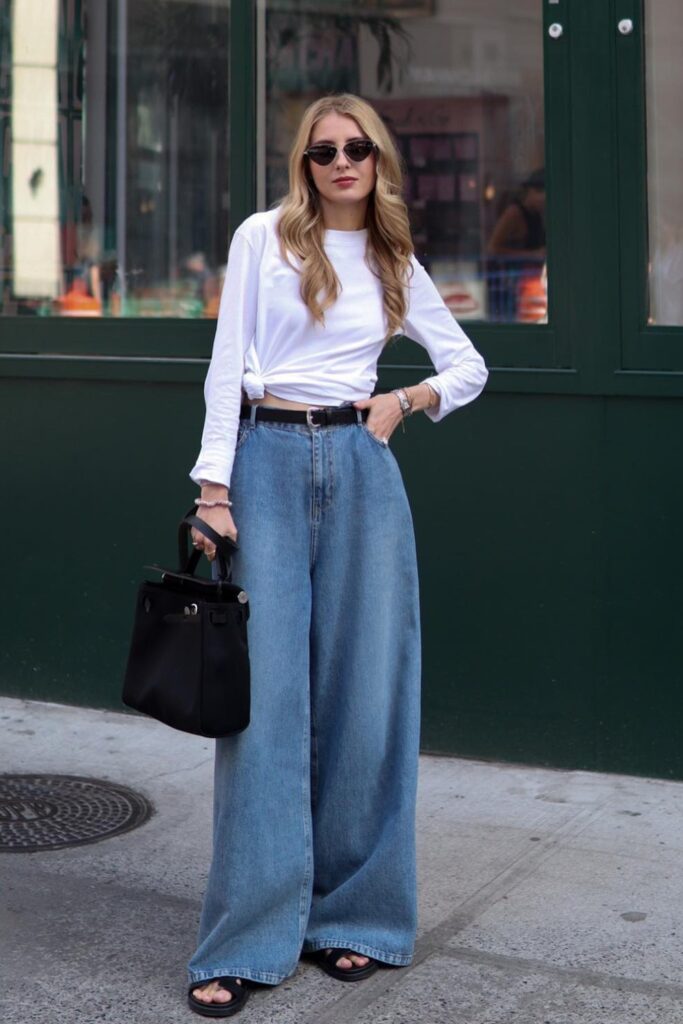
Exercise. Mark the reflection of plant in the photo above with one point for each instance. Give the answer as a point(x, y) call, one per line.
point(287, 30)
point(382, 29)
point(189, 41)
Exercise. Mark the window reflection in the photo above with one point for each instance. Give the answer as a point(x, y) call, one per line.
point(461, 87)
point(664, 77)
point(113, 157)
point(516, 254)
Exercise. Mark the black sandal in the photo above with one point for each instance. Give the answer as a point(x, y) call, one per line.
point(327, 959)
point(240, 994)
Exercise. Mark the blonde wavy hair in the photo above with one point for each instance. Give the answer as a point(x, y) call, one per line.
point(301, 227)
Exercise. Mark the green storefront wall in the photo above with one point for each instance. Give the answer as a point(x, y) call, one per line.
point(547, 514)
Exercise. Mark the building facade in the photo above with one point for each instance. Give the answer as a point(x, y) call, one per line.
point(543, 148)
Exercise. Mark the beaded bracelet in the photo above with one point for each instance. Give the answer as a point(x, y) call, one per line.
point(222, 503)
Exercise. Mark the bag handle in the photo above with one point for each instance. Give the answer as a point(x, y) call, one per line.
point(189, 558)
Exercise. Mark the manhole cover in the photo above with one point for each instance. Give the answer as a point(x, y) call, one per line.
point(49, 812)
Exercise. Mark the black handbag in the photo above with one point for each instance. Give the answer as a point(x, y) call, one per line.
point(188, 664)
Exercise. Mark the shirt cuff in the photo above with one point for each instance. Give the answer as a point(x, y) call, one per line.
point(436, 412)
point(212, 467)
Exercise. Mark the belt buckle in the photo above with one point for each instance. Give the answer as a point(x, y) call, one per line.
point(309, 421)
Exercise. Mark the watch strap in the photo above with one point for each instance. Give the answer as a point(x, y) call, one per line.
point(404, 401)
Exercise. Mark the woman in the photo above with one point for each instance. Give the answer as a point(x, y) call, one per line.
point(314, 803)
point(517, 251)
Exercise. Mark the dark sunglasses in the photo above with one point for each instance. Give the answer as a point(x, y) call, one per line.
point(324, 152)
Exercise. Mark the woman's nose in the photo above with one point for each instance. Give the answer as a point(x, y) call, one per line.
point(341, 162)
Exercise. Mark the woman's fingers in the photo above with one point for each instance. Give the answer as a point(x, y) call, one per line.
point(202, 545)
point(220, 520)
point(381, 433)
point(200, 542)
point(383, 417)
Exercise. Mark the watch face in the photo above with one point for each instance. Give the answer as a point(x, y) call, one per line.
point(403, 400)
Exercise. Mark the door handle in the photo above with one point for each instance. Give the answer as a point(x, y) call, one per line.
point(625, 26)
point(555, 30)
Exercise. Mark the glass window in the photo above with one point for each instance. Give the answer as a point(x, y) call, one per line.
point(113, 157)
point(461, 87)
point(664, 78)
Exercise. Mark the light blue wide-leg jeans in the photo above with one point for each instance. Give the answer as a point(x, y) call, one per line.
point(314, 804)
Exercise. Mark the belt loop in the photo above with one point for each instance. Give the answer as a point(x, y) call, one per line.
point(359, 417)
point(252, 415)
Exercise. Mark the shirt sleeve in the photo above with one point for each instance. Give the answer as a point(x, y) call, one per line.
point(460, 370)
point(235, 330)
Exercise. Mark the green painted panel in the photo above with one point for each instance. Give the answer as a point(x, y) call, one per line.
point(547, 530)
point(507, 509)
point(641, 699)
point(97, 473)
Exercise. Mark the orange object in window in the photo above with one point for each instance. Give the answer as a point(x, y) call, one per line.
point(532, 300)
point(77, 301)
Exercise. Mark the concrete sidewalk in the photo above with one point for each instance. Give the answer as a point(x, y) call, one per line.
point(546, 897)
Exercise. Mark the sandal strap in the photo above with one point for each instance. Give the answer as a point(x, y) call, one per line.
point(338, 952)
point(228, 982)
point(231, 984)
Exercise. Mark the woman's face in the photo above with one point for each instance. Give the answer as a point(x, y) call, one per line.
point(342, 181)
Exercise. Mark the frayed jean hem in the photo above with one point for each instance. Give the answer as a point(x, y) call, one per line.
point(395, 959)
point(246, 973)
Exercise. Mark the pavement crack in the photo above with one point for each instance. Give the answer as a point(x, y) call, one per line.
point(518, 870)
point(185, 768)
point(579, 975)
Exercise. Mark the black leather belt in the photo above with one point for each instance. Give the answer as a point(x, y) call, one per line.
point(328, 416)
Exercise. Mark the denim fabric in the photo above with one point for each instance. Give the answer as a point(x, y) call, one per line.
point(314, 803)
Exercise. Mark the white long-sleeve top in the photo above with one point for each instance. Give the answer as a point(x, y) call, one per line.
point(267, 339)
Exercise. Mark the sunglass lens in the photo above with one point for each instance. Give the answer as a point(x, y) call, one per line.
point(358, 151)
point(322, 155)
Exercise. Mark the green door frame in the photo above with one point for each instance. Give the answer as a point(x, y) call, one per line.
point(654, 349)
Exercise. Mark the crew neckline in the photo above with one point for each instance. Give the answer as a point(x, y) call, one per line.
point(338, 235)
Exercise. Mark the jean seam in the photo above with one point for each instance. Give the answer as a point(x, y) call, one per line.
point(305, 898)
point(314, 760)
point(328, 447)
point(315, 518)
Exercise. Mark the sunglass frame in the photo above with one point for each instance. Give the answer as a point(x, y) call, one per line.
point(335, 150)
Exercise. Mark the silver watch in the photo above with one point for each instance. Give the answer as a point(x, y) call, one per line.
point(406, 404)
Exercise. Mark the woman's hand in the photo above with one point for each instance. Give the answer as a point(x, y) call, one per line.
point(385, 410)
point(218, 518)
point(384, 416)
